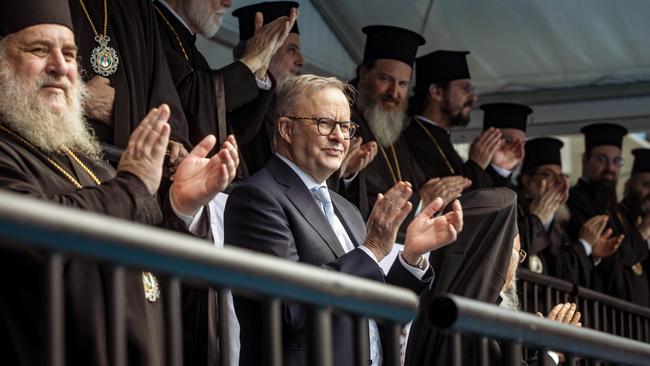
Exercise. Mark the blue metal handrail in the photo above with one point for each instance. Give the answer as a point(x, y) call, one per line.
point(28, 221)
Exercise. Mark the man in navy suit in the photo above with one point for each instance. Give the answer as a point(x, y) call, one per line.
point(287, 210)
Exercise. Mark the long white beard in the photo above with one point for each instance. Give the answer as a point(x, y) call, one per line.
point(385, 125)
point(509, 298)
point(23, 112)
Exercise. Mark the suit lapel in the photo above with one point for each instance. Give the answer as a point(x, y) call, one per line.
point(305, 203)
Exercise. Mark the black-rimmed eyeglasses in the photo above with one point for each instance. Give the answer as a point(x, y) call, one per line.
point(326, 125)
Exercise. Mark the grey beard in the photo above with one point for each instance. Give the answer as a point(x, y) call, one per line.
point(385, 125)
point(509, 298)
point(22, 112)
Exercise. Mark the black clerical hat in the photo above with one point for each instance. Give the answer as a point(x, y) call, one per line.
point(440, 67)
point(603, 134)
point(384, 41)
point(641, 161)
point(542, 151)
point(271, 10)
point(19, 14)
point(505, 115)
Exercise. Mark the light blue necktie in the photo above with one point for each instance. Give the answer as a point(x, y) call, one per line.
point(322, 195)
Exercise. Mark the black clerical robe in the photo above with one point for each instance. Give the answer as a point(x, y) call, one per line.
point(474, 266)
point(435, 154)
point(246, 104)
point(142, 80)
point(621, 274)
point(23, 275)
point(551, 252)
point(391, 165)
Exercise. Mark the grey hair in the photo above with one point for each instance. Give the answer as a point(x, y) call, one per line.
point(307, 85)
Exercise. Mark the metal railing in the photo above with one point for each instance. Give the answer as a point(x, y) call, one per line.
point(65, 232)
point(513, 329)
point(599, 311)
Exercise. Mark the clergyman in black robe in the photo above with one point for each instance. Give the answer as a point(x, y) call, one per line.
point(475, 266)
point(141, 79)
point(286, 62)
point(542, 219)
point(246, 103)
point(634, 213)
point(511, 120)
point(383, 81)
point(434, 113)
point(595, 194)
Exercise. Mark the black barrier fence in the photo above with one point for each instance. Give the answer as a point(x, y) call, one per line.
point(539, 293)
point(501, 335)
point(65, 233)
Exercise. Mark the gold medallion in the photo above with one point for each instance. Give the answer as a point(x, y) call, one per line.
point(535, 263)
point(637, 268)
point(104, 59)
point(151, 286)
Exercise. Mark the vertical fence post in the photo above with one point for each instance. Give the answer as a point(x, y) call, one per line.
point(456, 349)
point(274, 331)
point(223, 305)
point(362, 348)
point(56, 312)
point(117, 316)
point(321, 337)
point(511, 353)
point(171, 293)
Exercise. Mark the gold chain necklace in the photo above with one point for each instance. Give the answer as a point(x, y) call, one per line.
point(149, 280)
point(398, 177)
point(442, 153)
point(103, 58)
point(178, 39)
point(56, 165)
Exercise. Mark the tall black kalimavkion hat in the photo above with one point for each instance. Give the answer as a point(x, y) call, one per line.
point(505, 115)
point(542, 151)
point(19, 14)
point(388, 42)
point(641, 161)
point(440, 67)
point(271, 10)
point(603, 134)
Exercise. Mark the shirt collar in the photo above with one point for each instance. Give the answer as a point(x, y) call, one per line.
point(425, 119)
point(307, 179)
point(174, 13)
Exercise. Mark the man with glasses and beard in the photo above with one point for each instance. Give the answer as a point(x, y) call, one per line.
point(635, 206)
point(246, 84)
point(620, 275)
point(542, 216)
point(443, 98)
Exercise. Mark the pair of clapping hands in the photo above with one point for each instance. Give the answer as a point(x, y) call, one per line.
point(424, 234)
point(197, 179)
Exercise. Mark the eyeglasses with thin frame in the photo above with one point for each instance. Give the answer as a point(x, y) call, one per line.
point(326, 125)
point(605, 160)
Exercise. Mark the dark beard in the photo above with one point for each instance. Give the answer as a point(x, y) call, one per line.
point(640, 206)
point(454, 119)
point(604, 193)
